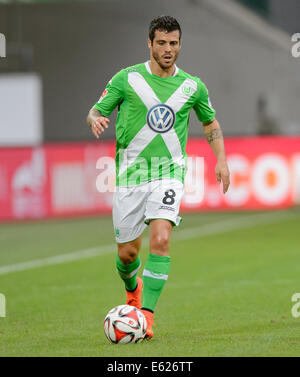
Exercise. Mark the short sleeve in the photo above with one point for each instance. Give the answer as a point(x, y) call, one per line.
point(112, 95)
point(203, 107)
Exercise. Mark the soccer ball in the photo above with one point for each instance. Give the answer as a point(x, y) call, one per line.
point(125, 324)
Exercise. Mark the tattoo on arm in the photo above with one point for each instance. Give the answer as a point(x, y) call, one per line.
point(216, 133)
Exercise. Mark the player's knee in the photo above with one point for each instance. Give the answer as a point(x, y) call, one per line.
point(127, 254)
point(159, 244)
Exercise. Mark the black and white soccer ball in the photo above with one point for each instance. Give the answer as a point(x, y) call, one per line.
point(125, 324)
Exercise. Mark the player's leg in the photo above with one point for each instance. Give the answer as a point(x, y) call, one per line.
point(157, 267)
point(128, 216)
point(161, 214)
point(128, 263)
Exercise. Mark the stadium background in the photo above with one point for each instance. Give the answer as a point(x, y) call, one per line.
point(60, 55)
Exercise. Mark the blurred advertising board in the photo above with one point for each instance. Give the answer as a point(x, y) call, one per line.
point(78, 178)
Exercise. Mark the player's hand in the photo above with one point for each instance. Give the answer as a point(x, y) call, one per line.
point(222, 174)
point(99, 125)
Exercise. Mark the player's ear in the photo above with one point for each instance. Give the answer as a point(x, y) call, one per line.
point(149, 43)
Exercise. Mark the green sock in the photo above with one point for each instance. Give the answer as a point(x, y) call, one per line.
point(128, 272)
point(155, 276)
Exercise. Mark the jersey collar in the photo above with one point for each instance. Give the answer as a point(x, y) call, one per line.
point(149, 70)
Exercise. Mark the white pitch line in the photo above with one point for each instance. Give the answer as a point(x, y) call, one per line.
point(232, 224)
point(179, 235)
point(58, 259)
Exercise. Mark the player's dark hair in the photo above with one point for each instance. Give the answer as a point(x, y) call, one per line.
point(163, 23)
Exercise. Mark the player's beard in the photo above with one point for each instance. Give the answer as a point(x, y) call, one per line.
point(160, 60)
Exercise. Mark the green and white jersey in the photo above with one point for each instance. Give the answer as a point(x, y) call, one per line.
point(152, 121)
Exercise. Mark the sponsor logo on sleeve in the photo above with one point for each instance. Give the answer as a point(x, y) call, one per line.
point(102, 95)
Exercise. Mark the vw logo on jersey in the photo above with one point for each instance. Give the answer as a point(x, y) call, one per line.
point(161, 118)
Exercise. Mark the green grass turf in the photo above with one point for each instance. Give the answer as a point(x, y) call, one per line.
point(228, 294)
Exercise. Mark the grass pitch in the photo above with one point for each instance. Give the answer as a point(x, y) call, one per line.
point(228, 294)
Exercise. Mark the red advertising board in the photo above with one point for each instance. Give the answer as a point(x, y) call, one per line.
point(78, 179)
point(265, 173)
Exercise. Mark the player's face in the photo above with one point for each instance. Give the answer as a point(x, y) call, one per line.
point(165, 48)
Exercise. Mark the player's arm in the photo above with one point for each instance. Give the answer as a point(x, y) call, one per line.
point(112, 96)
point(97, 122)
point(214, 136)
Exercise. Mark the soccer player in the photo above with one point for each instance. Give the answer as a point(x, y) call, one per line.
point(154, 100)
